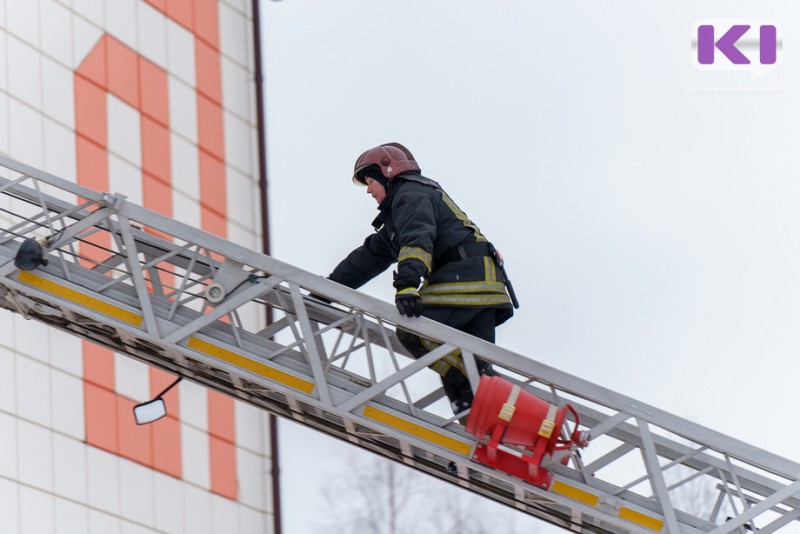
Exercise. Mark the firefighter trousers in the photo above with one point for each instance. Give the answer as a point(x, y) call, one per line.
point(476, 321)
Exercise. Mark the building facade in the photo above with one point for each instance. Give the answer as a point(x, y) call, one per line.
point(154, 99)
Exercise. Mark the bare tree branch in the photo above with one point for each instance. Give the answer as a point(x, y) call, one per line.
point(371, 495)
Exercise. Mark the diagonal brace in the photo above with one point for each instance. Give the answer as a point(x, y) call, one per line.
point(396, 378)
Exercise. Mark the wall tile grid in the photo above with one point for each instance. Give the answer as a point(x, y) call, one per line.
point(162, 110)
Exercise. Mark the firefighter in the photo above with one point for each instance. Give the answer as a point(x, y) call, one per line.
point(446, 269)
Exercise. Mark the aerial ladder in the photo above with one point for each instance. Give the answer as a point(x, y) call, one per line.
point(162, 292)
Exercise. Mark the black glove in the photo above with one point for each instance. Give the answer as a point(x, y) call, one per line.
point(408, 302)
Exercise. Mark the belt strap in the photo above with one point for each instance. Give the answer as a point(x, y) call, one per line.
point(467, 250)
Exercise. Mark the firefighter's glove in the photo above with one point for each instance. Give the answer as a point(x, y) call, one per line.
point(408, 302)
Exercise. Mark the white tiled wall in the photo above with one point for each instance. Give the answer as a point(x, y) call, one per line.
point(33, 390)
point(92, 10)
point(103, 522)
point(35, 455)
point(239, 144)
point(242, 199)
point(237, 89)
point(121, 21)
point(124, 178)
point(29, 339)
point(22, 20)
point(85, 34)
point(70, 517)
point(185, 166)
point(195, 446)
point(4, 119)
point(224, 514)
point(67, 403)
point(180, 52)
point(59, 150)
point(67, 352)
point(252, 489)
point(194, 406)
point(168, 503)
point(37, 511)
point(56, 31)
point(152, 34)
point(24, 71)
point(9, 504)
point(26, 123)
point(8, 382)
point(3, 71)
point(183, 109)
point(132, 378)
point(58, 92)
point(136, 493)
point(8, 447)
point(50, 479)
point(70, 477)
point(124, 131)
point(197, 510)
point(233, 35)
point(103, 480)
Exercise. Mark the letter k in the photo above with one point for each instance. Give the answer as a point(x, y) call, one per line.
point(726, 44)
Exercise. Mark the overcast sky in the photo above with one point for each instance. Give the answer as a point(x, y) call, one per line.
point(647, 210)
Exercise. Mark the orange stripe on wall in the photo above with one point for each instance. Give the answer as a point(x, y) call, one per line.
point(112, 67)
point(123, 72)
point(223, 467)
point(101, 417)
point(213, 200)
point(135, 442)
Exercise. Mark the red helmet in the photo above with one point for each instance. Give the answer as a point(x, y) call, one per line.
point(391, 158)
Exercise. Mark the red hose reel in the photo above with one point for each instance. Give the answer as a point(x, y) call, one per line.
point(509, 417)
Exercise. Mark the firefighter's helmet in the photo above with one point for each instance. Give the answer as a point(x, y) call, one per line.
point(390, 158)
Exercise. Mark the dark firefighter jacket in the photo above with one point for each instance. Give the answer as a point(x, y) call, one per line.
point(421, 229)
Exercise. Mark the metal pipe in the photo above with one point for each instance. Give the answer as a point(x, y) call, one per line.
point(265, 245)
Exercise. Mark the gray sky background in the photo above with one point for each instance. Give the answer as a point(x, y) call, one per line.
point(650, 227)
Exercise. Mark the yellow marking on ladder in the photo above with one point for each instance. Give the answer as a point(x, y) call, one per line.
point(574, 493)
point(417, 430)
point(641, 519)
point(246, 363)
point(80, 298)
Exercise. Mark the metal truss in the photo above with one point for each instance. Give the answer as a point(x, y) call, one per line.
point(168, 294)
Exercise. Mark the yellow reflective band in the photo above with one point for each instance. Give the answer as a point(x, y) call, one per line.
point(80, 298)
point(463, 287)
point(441, 367)
point(428, 343)
point(415, 430)
point(451, 359)
point(591, 499)
point(461, 216)
point(408, 291)
point(641, 519)
point(576, 494)
point(488, 266)
point(466, 300)
point(246, 363)
point(417, 253)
